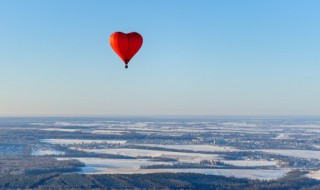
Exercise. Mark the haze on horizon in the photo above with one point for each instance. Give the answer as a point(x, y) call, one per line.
point(198, 58)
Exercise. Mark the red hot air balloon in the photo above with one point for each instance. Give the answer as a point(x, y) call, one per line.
point(126, 45)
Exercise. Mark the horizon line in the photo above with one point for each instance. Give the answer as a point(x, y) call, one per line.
point(157, 116)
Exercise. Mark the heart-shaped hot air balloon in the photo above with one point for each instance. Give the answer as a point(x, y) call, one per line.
point(126, 45)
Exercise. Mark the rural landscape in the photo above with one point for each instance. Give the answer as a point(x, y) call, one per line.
point(160, 152)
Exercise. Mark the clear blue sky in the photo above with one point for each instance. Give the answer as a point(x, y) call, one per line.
point(225, 57)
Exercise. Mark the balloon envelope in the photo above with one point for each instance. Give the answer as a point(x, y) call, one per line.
point(126, 45)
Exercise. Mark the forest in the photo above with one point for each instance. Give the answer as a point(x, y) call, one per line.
point(293, 180)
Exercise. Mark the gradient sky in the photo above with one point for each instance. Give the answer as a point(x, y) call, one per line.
point(207, 57)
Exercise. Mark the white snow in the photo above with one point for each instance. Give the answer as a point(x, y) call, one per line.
point(203, 147)
point(58, 129)
point(251, 162)
point(44, 152)
point(128, 166)
point(183, 157)
point(314, 174)
point(80, 141)
point(111, 132)
point(295, 153)
point(282, 136)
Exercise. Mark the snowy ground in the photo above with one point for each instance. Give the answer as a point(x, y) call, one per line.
point(314, 174)
point(44, 152)
point(80, 141)
point(295, 153)
point(181, 156)
point(251, 162)
point(126, 166)
point(209, 148)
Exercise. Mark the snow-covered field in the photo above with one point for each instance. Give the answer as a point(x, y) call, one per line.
point(59, 129)
point(181, 156)
point(203, 147)
point(44, 152)
point(80, 141)
point(127, 166)
point(314, 174)
point(111, 132)
point(317, 146)
point(223, 132)
point(251, 162)
point(108, 165)
point(295, 153)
